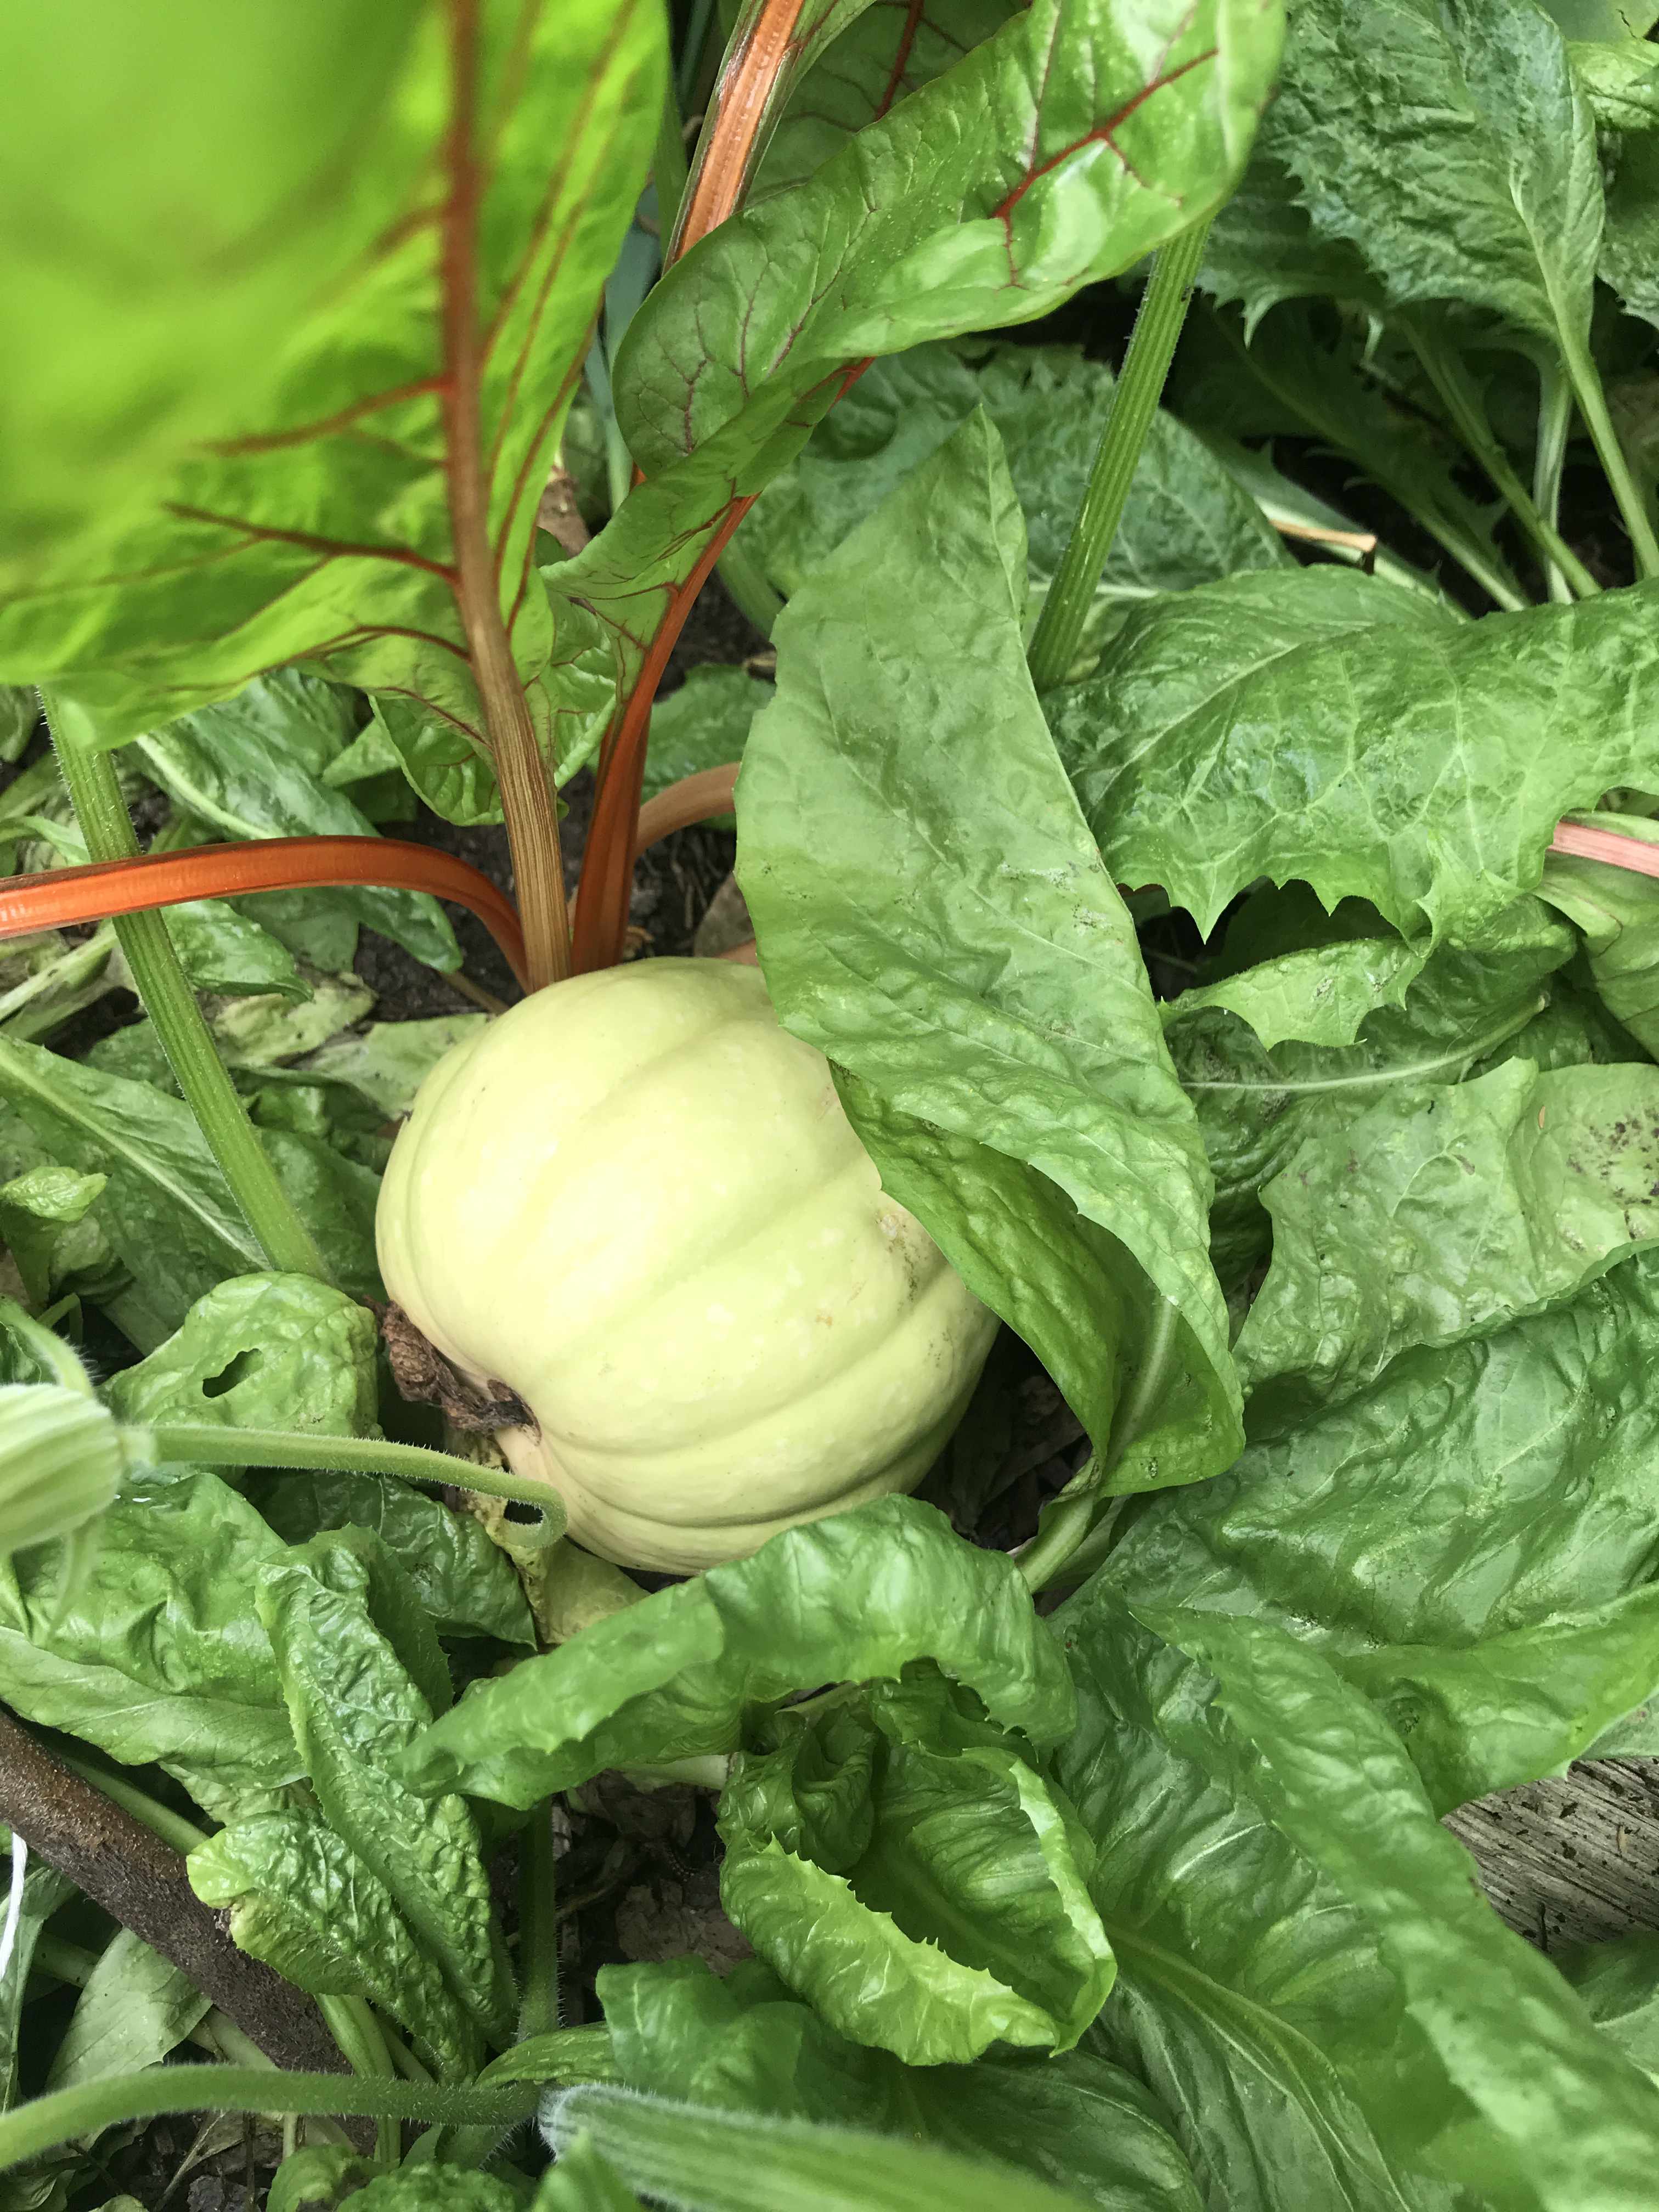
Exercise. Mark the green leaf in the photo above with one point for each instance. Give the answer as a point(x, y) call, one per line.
point(44, 1890)
point(464, 1581)
point(35, 1209)
point(1175, 755)
point(1186, 521)
point(440, 762)
point(848, 1599)
point(388, 1061)
point(1444, 1212)
point(158, 1653)
point(747, 2044)
point(1291, 377)
point(882, 56)
point(354, 1709)
point(1465, 1540)
point(1618, 912)
point(252, 767)
point(736, 2162)
point(331, 523)
point(1618, 1985)
point(20, 710)
point(1479, 183)
point(300, 1897)
point(1256, 1106)
point(1503, 2086)
point(224, 951)
point(1058, 152)
point(933, 916)
point(1251, 1997)
point(150, 304)
point(261, 1351)
point(135, 2009)
point(942, 1907)
point(704, 724)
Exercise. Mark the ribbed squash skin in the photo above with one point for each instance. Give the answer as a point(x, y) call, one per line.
point(635, 1200)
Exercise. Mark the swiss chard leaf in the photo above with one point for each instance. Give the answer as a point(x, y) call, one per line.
point(252, 767)
point(341, 519)
point(855, 1596)
point(157, 1652)
point(1467, 1539)
point(933, 913)
point(1444, 1212)
point(300, 1897)
point(135, 2009)
point(464, 1581)
point(261, 1351)
point(1501, 2084)
point(747, 2043)
point(149, 324)
point(1074, 140)
point(356, 1700)
point(907, 1870)
point(1177, 758)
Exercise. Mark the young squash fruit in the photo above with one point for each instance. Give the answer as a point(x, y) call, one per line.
point(635, 1200)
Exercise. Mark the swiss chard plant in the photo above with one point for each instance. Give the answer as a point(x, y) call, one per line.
point(1191, 968)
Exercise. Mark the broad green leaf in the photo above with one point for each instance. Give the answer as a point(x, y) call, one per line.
point(464, 1581)
point(1295, 377)
point(299, 1897)
point(1466, 1540)
point(150, 304)
point(881, 56)
point(933, 913)
point(62, 1464)
point(934, 917)
point(1444, 1212)
point(1186, 521)
point(848, 1599)
point(331, 522)
point(354, 1709)
point(1504, 2087)
point(136, 2007)
point(1431, 760)
point(1263, 248)
point(440, 762)
point(1453, 148)
point(1256, 1105)
point(388, 1061)
point(443, 2188)
point(1252, 1997)
point(224, 951)
point(747, 2043)
point(724, 2161)
point(1617, 1983)
point(1319, 995)
point(1622, 86)
point(167, 1209)
point(158, 1653)
point(1618, 912)
point(1060, 151)
point(251, 766)
point(943, 1907)
point(261, 1351)
point(582, 2181)
point(705, 724)
point(20, 710)
point(36, 1210)
point(44, 1890)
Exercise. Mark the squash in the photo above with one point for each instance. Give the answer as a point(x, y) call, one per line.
point(635, 1200)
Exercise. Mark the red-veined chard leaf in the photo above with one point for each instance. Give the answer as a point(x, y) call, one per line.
point(1061, 150)
point(377, 508)
point(141, 304)
point(934, 914)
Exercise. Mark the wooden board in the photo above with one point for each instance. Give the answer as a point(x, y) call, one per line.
point(1573, 1859)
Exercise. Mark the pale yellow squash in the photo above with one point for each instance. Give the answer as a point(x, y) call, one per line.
point(635, 1200)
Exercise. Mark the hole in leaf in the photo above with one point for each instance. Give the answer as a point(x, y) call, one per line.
point(244, 1365)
